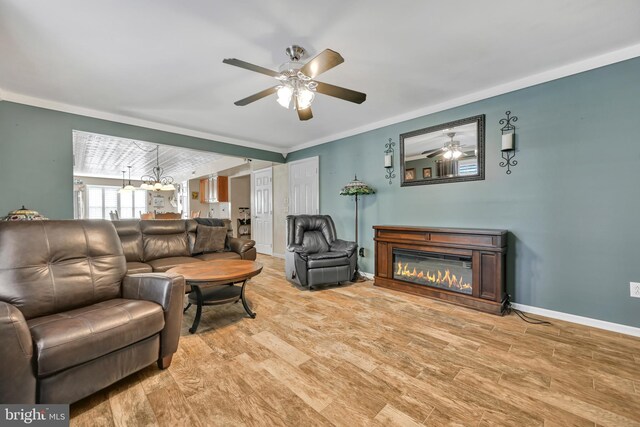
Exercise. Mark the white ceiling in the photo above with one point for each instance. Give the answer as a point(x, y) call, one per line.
point(159, 62)
point(107, 156)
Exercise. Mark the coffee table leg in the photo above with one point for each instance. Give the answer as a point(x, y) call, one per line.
point(199, 301)
point(244, 302)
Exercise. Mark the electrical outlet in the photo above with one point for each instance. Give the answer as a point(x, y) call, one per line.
point(635, 289)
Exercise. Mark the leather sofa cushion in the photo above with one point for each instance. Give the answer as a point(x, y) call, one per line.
point(165, 245)
point(300, 225)
point(218, 255)
point(210, 239)
point(314, 241)
point(138, 267)
point(131, 238)
point(73, 337)
point(164, 264)
point(327, 259)
point(52, 266)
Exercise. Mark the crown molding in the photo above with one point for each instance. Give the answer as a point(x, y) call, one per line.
point(103, 115)
point(535, 79)
point(532, 80)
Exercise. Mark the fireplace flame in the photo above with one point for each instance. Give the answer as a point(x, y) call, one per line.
point(446, 279)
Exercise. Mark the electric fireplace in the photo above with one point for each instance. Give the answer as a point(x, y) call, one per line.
point(461, 266)
point(442, 271)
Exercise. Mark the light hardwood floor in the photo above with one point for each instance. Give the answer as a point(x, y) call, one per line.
point(359, 355)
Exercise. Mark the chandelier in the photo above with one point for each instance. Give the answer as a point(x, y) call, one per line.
point(157, 181)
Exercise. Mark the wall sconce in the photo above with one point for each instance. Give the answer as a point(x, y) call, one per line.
point(388, 161)
point(508, 142)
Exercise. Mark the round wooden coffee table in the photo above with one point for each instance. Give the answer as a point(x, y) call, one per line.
point(214, 282)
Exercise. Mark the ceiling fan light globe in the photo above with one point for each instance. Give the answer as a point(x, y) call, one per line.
point(129, 188)
point(145, 186)
point(157, 186)
point(456, 154)
point(284, 96)
point(305, 98)
point(168, 187)
point(447, 155)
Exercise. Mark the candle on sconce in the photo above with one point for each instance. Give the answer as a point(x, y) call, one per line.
point(388, 160)
point(507, 142)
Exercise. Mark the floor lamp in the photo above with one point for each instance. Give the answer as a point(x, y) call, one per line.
point(356, 188)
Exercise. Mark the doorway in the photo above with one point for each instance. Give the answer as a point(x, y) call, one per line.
point(262, 208)
point(304, 187)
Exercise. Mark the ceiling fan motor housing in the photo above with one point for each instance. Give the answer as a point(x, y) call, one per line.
point(295, 52)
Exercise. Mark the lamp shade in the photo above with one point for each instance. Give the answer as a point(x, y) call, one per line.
point(23, 214)
point(356, 188)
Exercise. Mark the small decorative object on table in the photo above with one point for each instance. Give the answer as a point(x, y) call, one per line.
point(23, 214)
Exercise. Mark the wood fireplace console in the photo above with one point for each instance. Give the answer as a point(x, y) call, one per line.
point(480, 255)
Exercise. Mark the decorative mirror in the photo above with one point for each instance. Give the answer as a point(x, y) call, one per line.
point(450, 152)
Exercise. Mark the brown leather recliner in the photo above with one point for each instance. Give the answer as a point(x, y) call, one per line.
point(71, 322)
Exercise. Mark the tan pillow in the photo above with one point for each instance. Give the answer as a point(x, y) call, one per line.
point(209, 239)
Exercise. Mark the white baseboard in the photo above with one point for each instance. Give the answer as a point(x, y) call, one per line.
point(367, 275)
point(587, 321)
point(277, 255)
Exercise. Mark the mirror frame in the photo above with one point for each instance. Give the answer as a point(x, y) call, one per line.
point(479, 120)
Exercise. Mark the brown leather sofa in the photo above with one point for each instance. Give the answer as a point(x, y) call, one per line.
point(71, 321)
point(158, 245)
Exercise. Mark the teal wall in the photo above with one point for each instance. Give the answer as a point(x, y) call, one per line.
point(572, 204)
point(36, 157)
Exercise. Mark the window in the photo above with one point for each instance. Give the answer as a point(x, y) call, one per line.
point(101, 200)
point(468, 167)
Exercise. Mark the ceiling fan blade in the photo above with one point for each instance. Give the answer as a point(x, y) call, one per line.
point(250, 67)
point(437, 153)
point(256, 96)
point(303, 114)
point(325, 60)
point(431, 151)
point(340, 92)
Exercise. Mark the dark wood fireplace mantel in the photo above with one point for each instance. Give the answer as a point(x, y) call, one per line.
point(487, 250)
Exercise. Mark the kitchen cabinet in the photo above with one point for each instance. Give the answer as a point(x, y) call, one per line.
point(214, 189)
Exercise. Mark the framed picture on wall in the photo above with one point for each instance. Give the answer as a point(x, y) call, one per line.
point(410, 174)
point(194, 195)
point(158, 201)
point(426, 172)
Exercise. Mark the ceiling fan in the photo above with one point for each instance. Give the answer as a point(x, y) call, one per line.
point(296, 81)
point(450, 151)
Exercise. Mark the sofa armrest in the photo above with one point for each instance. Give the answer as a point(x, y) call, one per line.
point(240, 246)
point(295, 248)
point(17, 380)
point(166, 289)
point(343, 245)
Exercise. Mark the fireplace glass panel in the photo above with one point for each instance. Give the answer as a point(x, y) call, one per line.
point(440, 271)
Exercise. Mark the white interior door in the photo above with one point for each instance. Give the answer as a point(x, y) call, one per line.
point(262, 201)
point(304, 194)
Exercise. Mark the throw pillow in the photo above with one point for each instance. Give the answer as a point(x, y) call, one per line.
point(210, 239)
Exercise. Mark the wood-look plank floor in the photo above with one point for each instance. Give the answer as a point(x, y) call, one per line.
point(359, 355)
